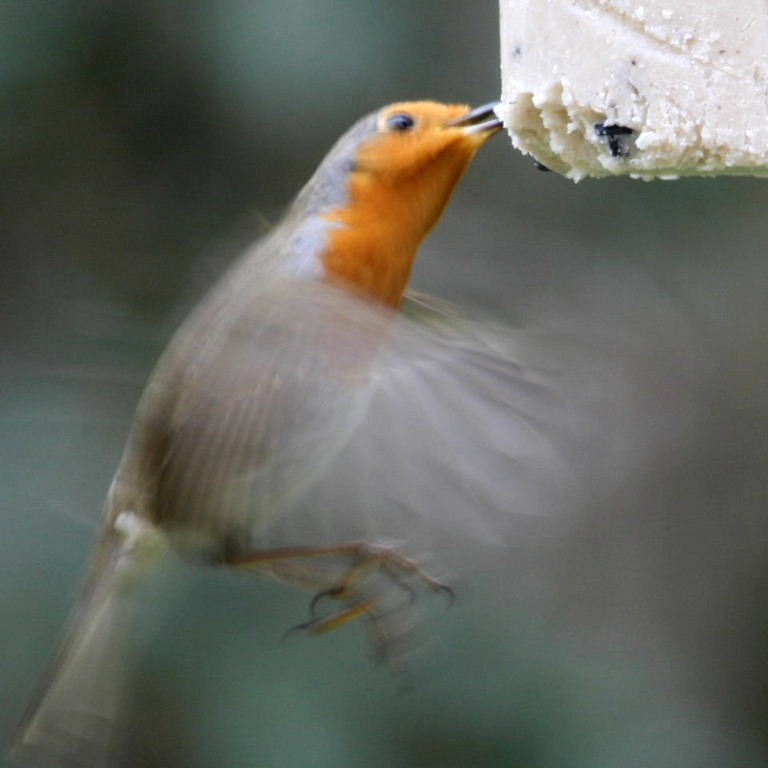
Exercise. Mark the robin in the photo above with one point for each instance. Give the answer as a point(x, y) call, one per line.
point(301, 372)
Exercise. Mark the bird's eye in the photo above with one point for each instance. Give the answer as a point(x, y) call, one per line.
point(400, 122)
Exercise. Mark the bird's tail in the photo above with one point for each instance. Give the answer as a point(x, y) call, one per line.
point(73, 717)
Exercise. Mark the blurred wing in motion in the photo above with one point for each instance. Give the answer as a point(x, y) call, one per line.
point(305, 415)
point(458, 439)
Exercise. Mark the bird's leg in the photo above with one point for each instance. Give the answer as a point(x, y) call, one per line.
point(367, 560)
point(371, 558)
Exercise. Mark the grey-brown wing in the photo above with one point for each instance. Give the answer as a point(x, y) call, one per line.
point(457, 438)
point(300, 414)
point(477, 432)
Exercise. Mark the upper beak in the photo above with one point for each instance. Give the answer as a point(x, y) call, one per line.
point(479, 120)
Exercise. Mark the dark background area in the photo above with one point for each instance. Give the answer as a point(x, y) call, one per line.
point(143, 144)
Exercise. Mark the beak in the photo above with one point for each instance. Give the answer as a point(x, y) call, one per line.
point(479, 120)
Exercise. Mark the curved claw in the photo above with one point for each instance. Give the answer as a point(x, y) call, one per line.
point(298, 628)
point(318, 596)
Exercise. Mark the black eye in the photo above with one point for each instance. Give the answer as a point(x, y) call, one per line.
point(400, 122)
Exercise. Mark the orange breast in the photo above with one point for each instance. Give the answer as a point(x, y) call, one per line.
point(374, 246)
point(382, 226)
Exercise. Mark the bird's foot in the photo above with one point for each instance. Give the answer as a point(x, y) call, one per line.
point(372, 581)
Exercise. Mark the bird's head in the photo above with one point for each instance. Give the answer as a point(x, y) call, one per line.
point(423, 143)
point(386, 182)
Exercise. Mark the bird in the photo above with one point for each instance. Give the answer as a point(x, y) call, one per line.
point(308, 378)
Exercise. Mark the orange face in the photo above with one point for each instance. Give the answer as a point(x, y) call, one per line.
point(401, 181)
point(411, 136)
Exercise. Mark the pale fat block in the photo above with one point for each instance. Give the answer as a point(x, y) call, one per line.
point(658, 88)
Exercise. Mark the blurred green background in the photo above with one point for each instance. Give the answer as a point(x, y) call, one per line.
point(143, 144)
